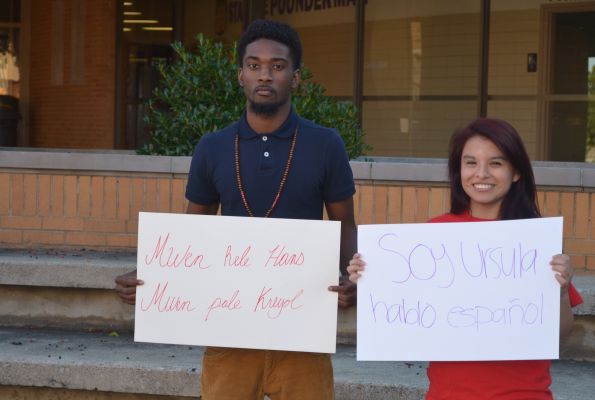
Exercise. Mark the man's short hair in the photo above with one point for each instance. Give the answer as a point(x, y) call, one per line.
point(272, 30)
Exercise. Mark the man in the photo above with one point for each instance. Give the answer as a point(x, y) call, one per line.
point(270, 163)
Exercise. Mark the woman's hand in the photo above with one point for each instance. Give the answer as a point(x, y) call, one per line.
point(561, 265)
point(356, 267)
point(564, 272)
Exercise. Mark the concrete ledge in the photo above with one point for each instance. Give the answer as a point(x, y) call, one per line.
point(77, 269)
point(97, 361)
point(579, 345)
point(427, 171)
point(97, 160)
point(45, 393)
point(399, 169)
point(51, 271)
point(589, 177)
point(64, 308)
point(585, 284)
point(97, 270)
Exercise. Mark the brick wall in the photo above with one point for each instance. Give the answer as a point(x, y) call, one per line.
point(92, 211)
point(72, 73)
point(82, 211)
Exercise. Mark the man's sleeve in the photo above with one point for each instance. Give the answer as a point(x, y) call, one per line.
point(200, 188)
point(339, 183)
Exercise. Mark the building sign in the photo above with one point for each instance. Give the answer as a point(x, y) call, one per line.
point(281, 7)
point(275, 8)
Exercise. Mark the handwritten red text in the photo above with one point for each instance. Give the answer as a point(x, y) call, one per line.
point(165, 303)
point(237, 261)
point(233, 303)
point(280, 257)
point(275, 305)
point(169, 257)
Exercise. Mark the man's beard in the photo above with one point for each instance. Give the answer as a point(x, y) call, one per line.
point(265, 109)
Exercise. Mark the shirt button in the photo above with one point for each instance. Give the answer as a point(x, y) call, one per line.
point(266, 153)
point(264, 138)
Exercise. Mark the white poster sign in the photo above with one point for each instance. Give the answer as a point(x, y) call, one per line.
point(237, 282)
point(459, 291)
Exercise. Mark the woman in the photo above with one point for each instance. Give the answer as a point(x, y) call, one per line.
point(491, 179)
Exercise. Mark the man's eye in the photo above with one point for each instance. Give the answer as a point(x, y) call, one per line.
point(278, 67)
point(252, 66)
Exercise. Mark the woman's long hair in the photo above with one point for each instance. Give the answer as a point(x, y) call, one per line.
point(521, 199)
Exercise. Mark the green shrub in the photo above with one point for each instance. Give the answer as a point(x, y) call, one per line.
point(199, 93)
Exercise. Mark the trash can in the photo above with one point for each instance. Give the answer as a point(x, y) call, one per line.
point(9, 119)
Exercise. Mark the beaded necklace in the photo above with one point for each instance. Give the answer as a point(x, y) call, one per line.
point(283, 178)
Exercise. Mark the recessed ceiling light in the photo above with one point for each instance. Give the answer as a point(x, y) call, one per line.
point(141, 21)
point(157, 28)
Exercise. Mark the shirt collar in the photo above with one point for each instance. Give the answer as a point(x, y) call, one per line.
point(467, 215)
point(285, 131)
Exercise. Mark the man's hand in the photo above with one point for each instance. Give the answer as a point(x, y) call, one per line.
point(347, 292)
point(126, 287)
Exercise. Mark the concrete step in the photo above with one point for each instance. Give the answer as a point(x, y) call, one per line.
point(74, 290)
point(55, 360)
point(63, 289)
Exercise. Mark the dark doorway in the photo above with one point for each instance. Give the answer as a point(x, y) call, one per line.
point(571, 112)
point(142, 78)
point(145, 37)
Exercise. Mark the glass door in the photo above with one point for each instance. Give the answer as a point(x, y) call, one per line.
point(569, 117)
point(145, 40)
point(10, 77)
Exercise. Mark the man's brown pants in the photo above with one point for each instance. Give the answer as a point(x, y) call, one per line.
point(246, 374)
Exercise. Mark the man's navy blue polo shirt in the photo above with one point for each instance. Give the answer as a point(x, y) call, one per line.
point(319, 173)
